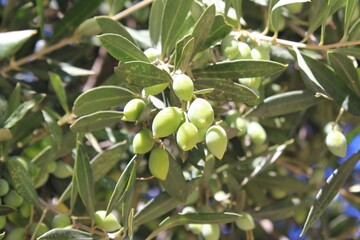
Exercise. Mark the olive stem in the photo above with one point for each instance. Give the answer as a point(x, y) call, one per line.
point(341, 111)
point(38, 224)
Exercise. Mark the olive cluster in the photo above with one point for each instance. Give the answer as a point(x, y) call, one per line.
point(191, 125)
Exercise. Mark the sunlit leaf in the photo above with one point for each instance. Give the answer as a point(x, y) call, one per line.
point(96, 121)
point(11, 42)
point(156, 13)
point(281, 3)
point(68, 234)
point(108, 25)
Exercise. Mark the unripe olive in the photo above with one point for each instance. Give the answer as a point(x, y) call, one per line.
point(63, 170)
point(195, 228)
point(300, 215)
point(108, 223)
point(251, 82)
point(241, 125)
point(152, 54)
point(336, 143)
point(260, 53)
point(229, 47)
point(51, 167)
point(245, 222)
point(201, 113)
point(167, 121)
point(183, 87)
point(187, 136)
point(244, 51)
point(256, 133)
point(210, 231)
point(25, 209)
point(155, 89)
point(41, 180)
point(133, 109)
point(278, 193)
point(201, 134)
point(143, 141)
point(4, 187)
point(2, 221)
point(216, 141)
point(61, 220)
point(294, 7)
point(231, 117)
point(40, 230)
point(159, 163)
point(280, 26)
point(13, 199)
point(16, 234)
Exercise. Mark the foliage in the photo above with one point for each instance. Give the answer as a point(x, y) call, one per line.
point(128, 119)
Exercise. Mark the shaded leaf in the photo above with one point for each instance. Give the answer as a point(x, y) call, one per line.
point(228, 91)
point(239, 69)
point(6, 210)
point(101, 98)
point(22, 110)
point(219, 30)
point(179, 49)
point(53, 128)
point(284, 103)
point(96, 121)
point(83, 177)
point(237, 5)
point(121, 48)
point(5, 134)
point(68, 234)
point(14, 99)
point(156, 13)
point(173, 18)
point(108, 25)
point(195, 218)
point(345, 69)
point(329, 190)
point(11, 42)
point(351, 6)
point(57, 86)
point(355, 52)
point(142, 74)
point(88, 28)
point(123, 186)
point(175, 184)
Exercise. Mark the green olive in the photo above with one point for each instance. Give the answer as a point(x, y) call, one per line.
point(256, 133)
point(251, 82)
point(216, 141)
point(183, 87)
point(63, 170)
point(260, 53)
point(241, 125)
point(61, 220)
point(294, 8)
point(108, 223)
point(155, 89)
point(2, 221)
point(143, 141)
point(201, 134)
point(244, 51)
point(229, 47)
point(25, 209)
point(152, 54)
point(187, 136)
point(16, 234)
point(201, 113)
point(133, 109)
point(210, 231)
point(245, 222)
point(41, 229)
point(4, 187)
point(280, 24)
point(13, 199)
point(159, 163)
point(336, 143)
point(167, 121)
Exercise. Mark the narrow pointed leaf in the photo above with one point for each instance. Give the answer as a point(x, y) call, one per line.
point(101, 98)
point(329, 190)
point(179, 49)
point(96, 121)
point(355, 52)
point(6, 210)
point(219, 30)
point(68, 234)
point(57, 86)
point(108, 25)
point(53, 128)
point(123, 185)
point(194, 218)
point(281, 3)
point(121, 48)
point(285, 103)
point(186, 55)
point(11, 42)
point(141, 74)
point(156, 13)
point(173, 18)
point(14, 99)
point(345, 69)
point(84, 178)
point(351, 6)
point(237, 5)
point(240, 69)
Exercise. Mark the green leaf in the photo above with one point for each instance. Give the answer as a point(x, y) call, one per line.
point(2, 235)
point(22, 110)
point(228, 91)
point(14, 99)
point(239, 69)
point(80, 11)
point(116, 6)
point(53, 128)
point(237, 5)
point(21, 181)
point(186, 55)
point(355, 52)
point(123, 186)
point(179, 49)
point(68, 234)
point(173, 18)
point(203, 27)
point(84, 179)
point(194, 218)
point(141, 74)
point(281, 3)
point(4, 210)
point(88, 28)
point(156, 13)
point(351, 6)
point(101, 98)
point(284, 103)
point(274, 16)
point(96, 121)
point(57, 86)
point(329, 190)
point(307, 75)
point(219, 30)
point(354, 32)
point(345, 69)
point(11, 42)
point(108, 25)
point(5, 134)
point(175, 184)
point(41, 15)
point(121, 48)
point(75, 71)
